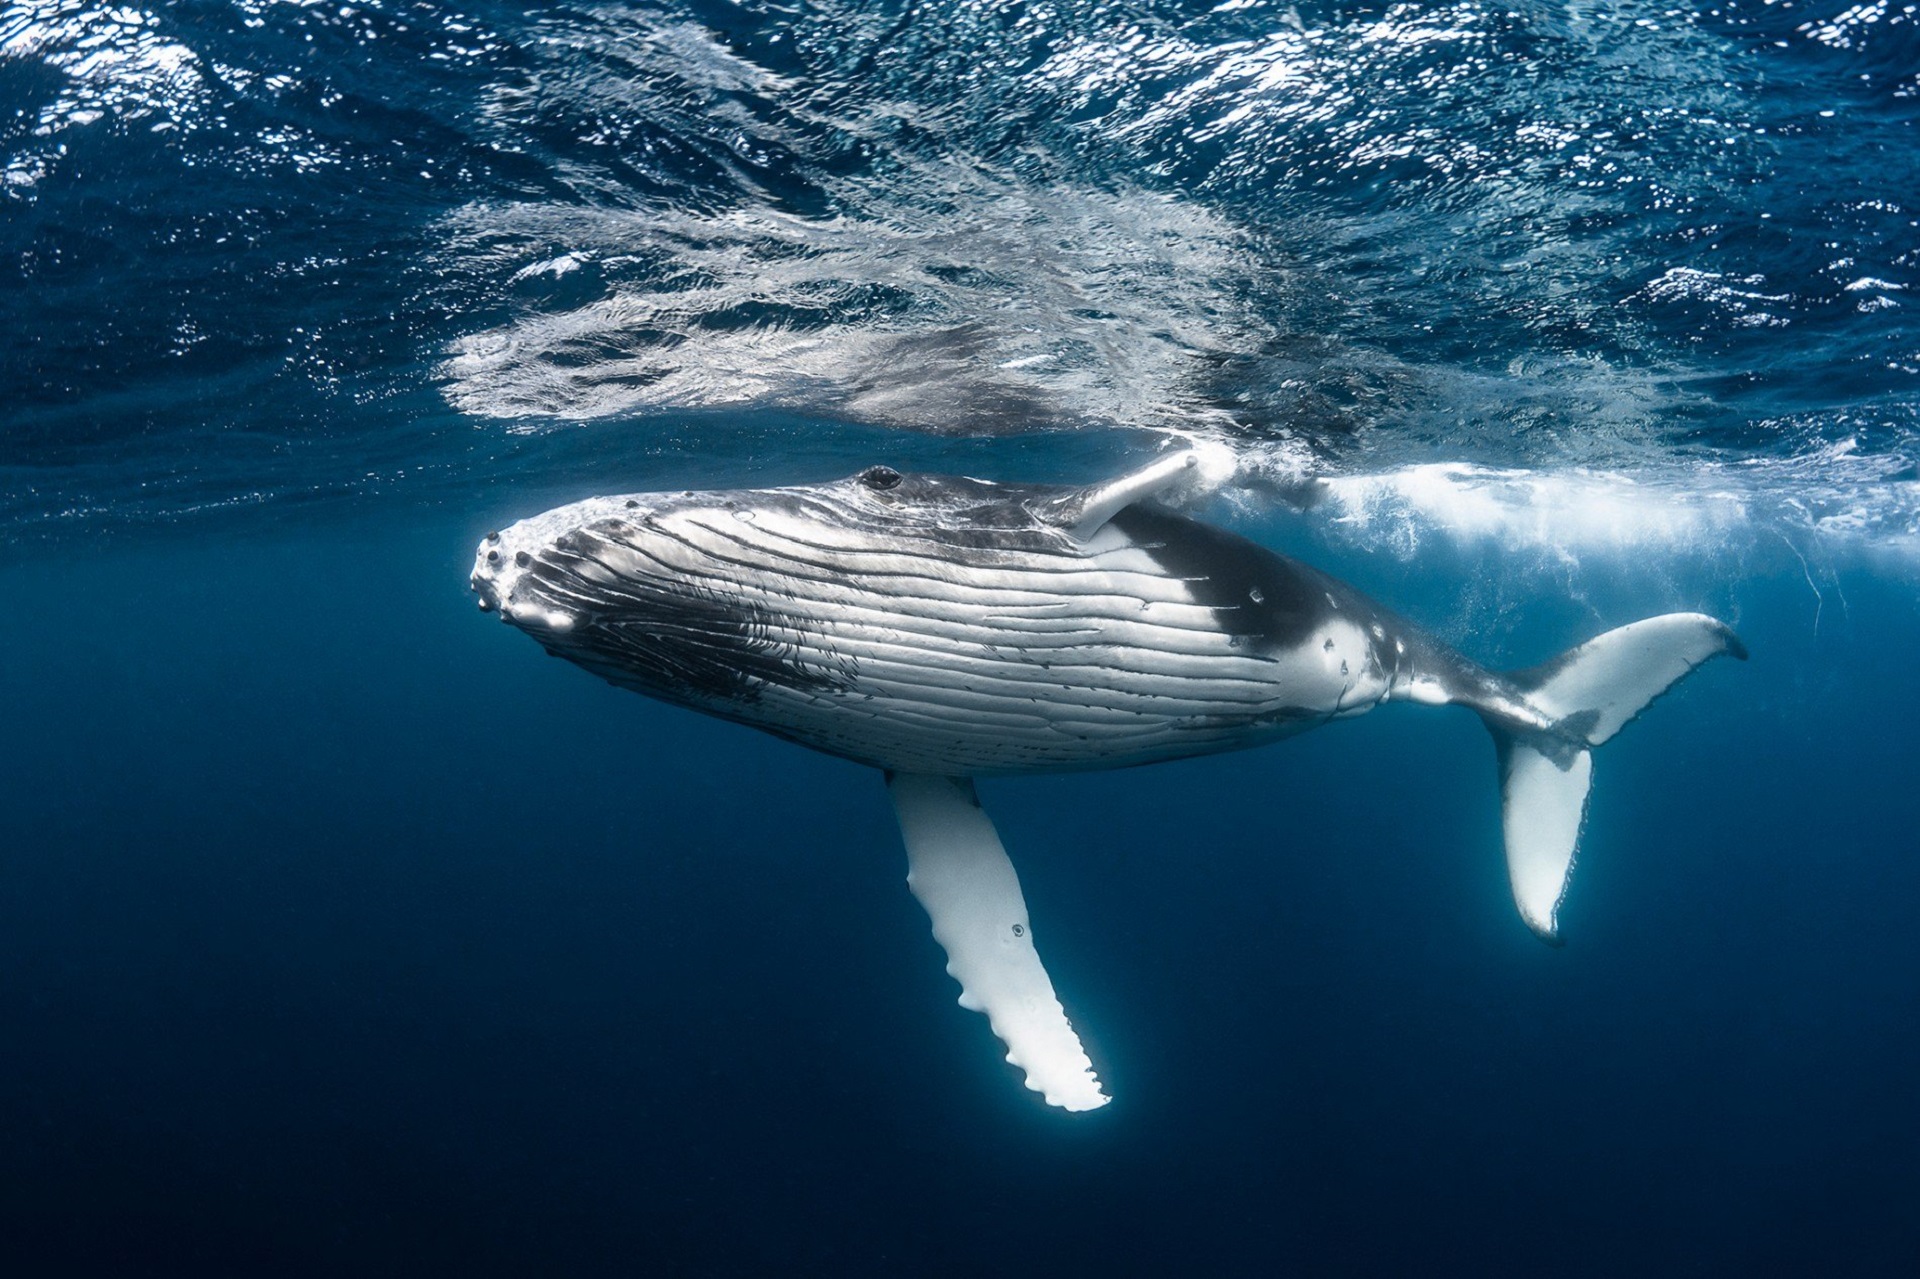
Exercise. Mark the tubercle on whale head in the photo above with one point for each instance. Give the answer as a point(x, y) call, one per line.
point(485, 561)
point(497, 595)
point(504, 557)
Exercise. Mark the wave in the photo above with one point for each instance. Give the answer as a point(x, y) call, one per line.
point(1611, 278)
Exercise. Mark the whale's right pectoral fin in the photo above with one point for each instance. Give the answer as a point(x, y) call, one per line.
point(1084, 512)
point(959, 871)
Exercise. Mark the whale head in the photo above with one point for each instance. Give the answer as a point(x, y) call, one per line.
point(706, 598)
point(645, 536)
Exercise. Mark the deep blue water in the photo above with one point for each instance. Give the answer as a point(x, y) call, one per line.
point(342, 932)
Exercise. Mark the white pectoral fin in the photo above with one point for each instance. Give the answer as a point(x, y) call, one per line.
point(959, 871)
point(1086, 511)
point(1543, 805)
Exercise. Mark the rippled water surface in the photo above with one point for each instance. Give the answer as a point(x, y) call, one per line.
point(258, 252)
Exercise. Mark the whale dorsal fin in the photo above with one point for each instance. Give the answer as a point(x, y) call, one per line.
point(1084, 512)
point(959, 871)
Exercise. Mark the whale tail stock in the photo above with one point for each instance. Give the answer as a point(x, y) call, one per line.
point(1588, 694)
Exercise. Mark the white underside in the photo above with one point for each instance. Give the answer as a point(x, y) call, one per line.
point(1087, 656)
point(1543, 809)
point(1618, 673)
point(1591, 692)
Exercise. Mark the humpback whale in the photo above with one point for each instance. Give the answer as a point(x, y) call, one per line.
point(941, 628)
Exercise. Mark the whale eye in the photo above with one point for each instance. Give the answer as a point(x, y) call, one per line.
point(879, 478)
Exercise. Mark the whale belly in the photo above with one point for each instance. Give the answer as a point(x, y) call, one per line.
point(1018, 651)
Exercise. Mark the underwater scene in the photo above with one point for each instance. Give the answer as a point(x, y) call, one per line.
point(921, 383)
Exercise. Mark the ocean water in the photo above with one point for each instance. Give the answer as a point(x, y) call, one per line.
point(341, 932)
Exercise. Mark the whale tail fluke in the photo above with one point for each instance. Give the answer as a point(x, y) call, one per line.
point(1588, 693)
